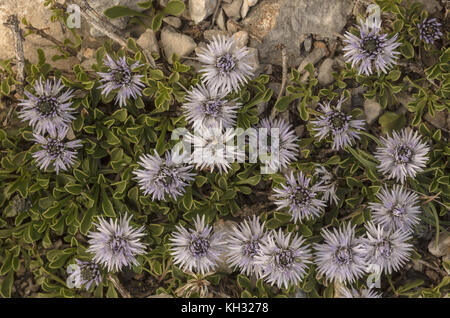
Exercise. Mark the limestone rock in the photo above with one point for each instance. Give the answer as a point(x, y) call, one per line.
point(174, 42)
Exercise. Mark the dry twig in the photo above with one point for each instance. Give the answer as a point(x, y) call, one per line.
point(122, 291)
point(107, 28)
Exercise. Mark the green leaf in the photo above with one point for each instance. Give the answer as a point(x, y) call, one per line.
point(157, 21)
point(122, 11)
point(174, 7)
point(390, 121)
point(283, 103)
point(5, 87)
point(407, 50)
point(244, 282)
point(5, 289)
point(74, 189)
point(156, 229)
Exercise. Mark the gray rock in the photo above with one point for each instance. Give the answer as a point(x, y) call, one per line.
point(443, 246)
point(147, 40)
point(241, 38)
point(173, 21)
point(233, 9)
point(246, 6)
point(287, 22)
point(372, 109)
point(201, 9)
point(307, 44)
point(325, 77)
point(174, 42)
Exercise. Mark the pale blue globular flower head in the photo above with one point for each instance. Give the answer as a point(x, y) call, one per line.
point(281, 147)
point(389, 249)
point(55, 150)
point(343, 129)
point(402, 155)
point(163, 177)
point(198, 249)
point(398, 209)
point(299, 198)
point(116, 243)
point(244, 244)
point(88, 274)
point(429, 30)
point(225, 66)
point(355, 293)
point(284, 259)
point(213, 147)
point(371, 49)
point(328, 183)
point(340, 257)
point(121, 78)
point(49, 108)
point(209, 107)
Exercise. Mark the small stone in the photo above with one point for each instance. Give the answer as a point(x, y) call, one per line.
point(201, 9)
point(307, 44)
point(148, 41)
point(232, 26)
point(173, 21)
point(241, 38)
point(439, 119)
point(443, 246)
point(267, 69)
point(246, 6)
point(220, 21)
point(173, 42)
point(326, 68)
point(253, 59)
point(88, 53)
point(233, 10)
point(372, 109)
point(417, 266)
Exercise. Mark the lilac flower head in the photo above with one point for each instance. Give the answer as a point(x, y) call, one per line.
point(340, 257)
point(388, 249)
point(116, 243)
point(282, 151)
point(225, 66)
point(402, 155)
point(284, 259)
point(213, 147)
point(371, 49)
point(209, 107)
point(398, 209)
point(334, 122)
point(120, 78)
point(299, 197)
point(354, 293)
point(88, 273)
point(50, 107)
point(55, 150)
point(160, 177)
point(429, 30)
point(197, 249)
point(244, 244)
point(328, 183)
